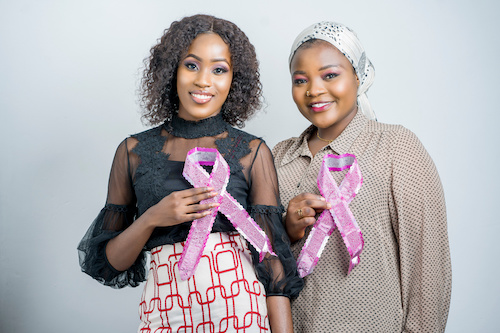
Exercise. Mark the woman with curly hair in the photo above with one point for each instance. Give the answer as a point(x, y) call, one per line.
point(201, 79)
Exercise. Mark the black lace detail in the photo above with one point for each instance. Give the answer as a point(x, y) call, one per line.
point(196, 129)
point(261, 209)
point(117, 208)
point(234, 147)
point(152, 169)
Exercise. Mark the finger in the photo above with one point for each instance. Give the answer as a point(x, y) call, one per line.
point(308, 212)
point(199, 208)
point(196, 216)
point(316, 204)
point(195, 191)
point(199, 197)
point(308, 196)
point(307, 221)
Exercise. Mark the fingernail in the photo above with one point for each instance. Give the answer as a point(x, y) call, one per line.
point(321, 198)
point(328, 205)
point(213, 193)
point(216, 204)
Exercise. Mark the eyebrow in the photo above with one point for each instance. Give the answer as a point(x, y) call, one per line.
point(212, 60)
point(329, 66)
point(321, 69)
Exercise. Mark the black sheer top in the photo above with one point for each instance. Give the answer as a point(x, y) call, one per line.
point(148, 166)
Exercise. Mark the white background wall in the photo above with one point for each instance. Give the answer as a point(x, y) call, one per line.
point(68, 77)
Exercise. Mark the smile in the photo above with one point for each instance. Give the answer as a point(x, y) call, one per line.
point(201, 97)
point(320, 106)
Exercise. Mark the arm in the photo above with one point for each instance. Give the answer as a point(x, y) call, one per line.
point(280, 314)
point(178, 207)
point(112, 249)
point(418, 216)
point(278, 274)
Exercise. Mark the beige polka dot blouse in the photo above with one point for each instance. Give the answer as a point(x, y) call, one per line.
point(403, 281)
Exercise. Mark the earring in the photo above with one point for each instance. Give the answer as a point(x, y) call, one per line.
point(308, 94)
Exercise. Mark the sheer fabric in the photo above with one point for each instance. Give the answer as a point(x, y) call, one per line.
point(148, 166)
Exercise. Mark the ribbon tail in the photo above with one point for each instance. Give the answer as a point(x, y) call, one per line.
point(315, 244)
point(245, 225)
point(353, 263)
point(350, 232)
point(194, 245)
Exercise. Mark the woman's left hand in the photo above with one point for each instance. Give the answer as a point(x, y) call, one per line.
point(301, 213)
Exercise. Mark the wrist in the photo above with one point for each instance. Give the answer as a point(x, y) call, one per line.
point(149, 218)
point(293, 236)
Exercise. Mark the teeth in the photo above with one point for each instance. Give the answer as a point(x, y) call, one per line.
point(319, 105)
point(201, 96)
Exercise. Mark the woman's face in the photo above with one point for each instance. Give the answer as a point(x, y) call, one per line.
point(324, 86)
point(204, 77)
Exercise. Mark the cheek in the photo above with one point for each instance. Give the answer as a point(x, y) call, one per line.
point(224, 84)
point(182, 78)
point(297, 96)
point(347, 90)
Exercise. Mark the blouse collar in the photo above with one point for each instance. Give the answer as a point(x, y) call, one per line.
point(188, 129)
point(340, 145)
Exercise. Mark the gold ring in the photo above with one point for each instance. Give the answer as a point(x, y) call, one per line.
point(299, 212)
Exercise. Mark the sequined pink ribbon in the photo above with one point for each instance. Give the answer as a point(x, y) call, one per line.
point(234, 211)
point(339, 216)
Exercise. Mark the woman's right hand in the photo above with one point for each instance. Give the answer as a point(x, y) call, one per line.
point(181, 206)
point(175, 208)
point(301, 213)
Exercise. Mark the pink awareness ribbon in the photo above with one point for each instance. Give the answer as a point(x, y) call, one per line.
point(234, 211)
point(339, 216)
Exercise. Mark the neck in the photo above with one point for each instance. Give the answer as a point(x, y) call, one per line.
point(189, 129)
point(329, 134)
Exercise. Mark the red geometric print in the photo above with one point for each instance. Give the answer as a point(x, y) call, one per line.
point(223, 295)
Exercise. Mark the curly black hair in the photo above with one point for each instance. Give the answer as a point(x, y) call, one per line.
point(159, 98)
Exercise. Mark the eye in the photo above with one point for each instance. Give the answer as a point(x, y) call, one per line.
point(220, 70)
point(330, 76)
point(191, 66)
point(298, 81)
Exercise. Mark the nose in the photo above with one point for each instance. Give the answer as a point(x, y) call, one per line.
point(315, 88)
point(203, 79)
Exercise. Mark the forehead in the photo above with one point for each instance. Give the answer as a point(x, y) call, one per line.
point(320, 53)
point(209, 45)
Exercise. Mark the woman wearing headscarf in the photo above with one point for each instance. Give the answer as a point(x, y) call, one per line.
point(365, 205)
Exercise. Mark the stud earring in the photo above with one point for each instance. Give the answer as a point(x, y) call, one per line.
point(308, 94)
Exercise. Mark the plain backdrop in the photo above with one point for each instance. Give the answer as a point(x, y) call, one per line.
point(69, 73)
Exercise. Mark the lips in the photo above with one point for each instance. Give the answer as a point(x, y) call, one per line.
point(201, 97)
point(320, 106)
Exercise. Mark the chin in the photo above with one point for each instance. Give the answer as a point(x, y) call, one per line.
point(323, 123)
point(201, 114)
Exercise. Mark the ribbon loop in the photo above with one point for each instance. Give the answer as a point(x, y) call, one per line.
point(338, 216)
point(230, 207)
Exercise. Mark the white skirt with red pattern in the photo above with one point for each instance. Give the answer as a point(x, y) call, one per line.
point(223, 295)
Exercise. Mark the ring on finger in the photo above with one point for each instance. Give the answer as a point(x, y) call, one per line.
point(299, 212)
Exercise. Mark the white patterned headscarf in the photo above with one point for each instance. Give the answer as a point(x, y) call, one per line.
point(347, 42)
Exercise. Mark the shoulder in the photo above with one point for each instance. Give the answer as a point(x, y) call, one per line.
point(395, 135)
point(237, 133)
point(373, 126)
point(240, 137)
point(285, 144)
point(152, 132)
point(148, 137)
point(405, 148)
point(283, 147)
